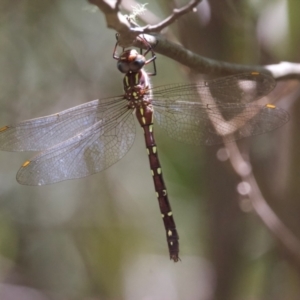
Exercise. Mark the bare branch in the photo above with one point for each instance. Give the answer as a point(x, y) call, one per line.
point(115, 20)
point(120, 23)
point(281, 232)
point(285, 70)
point(206, 65)
point(196, 62)
point(289, 242)
point(172, 18)
point(106, 6)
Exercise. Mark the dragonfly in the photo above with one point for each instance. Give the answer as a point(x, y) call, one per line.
point(91, 137)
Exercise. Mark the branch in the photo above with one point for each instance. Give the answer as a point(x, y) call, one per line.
point(128, 34)
point(119, 22)
point(285, 70)
point(206, 65)
point(281, 232)
point(171, 19)
point(115, 20)
point(289, 242)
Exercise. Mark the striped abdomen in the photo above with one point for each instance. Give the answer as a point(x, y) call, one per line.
point(144, 115)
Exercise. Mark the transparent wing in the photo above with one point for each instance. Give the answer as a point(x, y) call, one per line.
point(42, 133)
point(200, 124)
point(91, 151)
point(240, 88)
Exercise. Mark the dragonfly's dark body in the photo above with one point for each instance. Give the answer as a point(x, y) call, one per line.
point(90, 137)
point(138, 94)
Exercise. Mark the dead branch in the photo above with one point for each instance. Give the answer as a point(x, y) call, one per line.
point(128, 34)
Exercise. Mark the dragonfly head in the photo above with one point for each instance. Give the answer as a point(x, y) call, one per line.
point(131, 61)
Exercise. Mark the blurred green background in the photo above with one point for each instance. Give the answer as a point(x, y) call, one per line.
point(102, 237)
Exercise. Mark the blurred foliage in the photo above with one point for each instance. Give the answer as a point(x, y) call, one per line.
point(102, 237)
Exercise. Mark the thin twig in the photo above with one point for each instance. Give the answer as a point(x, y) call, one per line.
point(279, 230)
point(119, 22)
point(177, 12)
point(290, 243)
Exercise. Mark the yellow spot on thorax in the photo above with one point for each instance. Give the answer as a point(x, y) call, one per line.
point(142, 111)
point(126, 80)
point(158, 170)
point(154, 149)
point(169, 233)
point(255, 73)
point(137, 78)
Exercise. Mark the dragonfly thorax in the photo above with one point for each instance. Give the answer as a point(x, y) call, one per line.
point(137, 88)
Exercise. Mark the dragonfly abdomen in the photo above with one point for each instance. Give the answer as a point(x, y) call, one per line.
point(144, 115)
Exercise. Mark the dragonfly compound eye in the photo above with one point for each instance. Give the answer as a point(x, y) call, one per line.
point(137, 64)
point(123, 66)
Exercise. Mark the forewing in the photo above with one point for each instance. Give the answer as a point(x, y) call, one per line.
point(240, 88)
point(198, 124)
point(42, 133)
point(91, 151)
